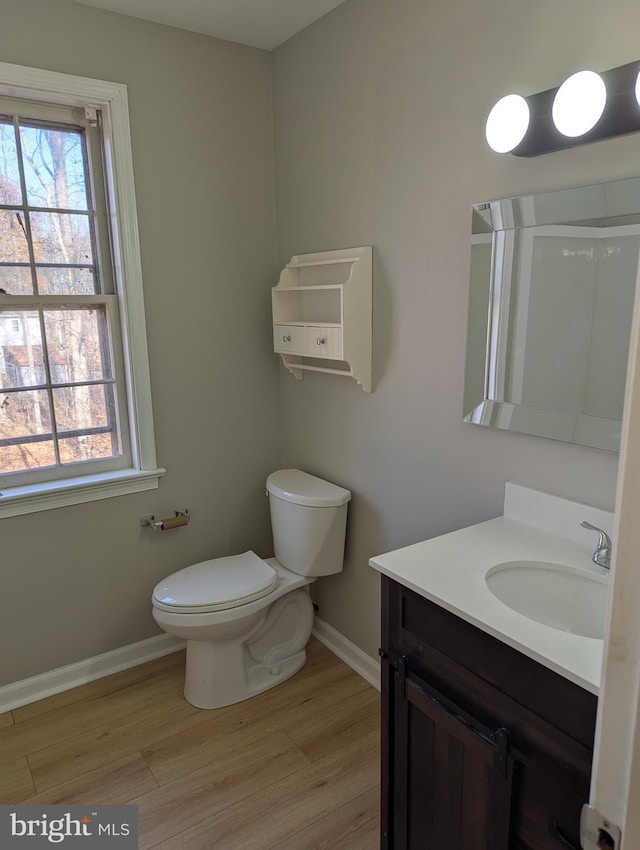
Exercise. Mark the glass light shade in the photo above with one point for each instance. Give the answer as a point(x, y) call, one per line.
point(579, 103)
point(638, 88)
point(507, 123)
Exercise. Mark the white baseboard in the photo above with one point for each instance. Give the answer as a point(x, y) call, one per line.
point(65, 678)
point(363, 664)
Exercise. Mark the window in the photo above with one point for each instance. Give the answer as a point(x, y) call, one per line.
point(60, 404)
point(75, 414)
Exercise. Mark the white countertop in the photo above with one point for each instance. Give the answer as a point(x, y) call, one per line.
point(450, 571)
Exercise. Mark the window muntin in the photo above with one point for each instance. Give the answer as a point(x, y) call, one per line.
point(61, 411)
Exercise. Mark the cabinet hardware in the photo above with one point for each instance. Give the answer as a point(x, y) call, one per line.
point(320, 340)
point(498, 740)
point(286, 338)
point(501, 739)
point(393, 662)
point(400, 666)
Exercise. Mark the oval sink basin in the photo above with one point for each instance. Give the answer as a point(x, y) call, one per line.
point(565, 598)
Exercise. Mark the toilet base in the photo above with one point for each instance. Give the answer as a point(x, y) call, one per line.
point(207, 692)
point(224, 672)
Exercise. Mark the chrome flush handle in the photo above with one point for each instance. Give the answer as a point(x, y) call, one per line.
point(602, 555)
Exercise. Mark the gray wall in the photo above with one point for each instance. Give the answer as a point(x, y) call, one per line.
point(77, 581)
point(379, 111)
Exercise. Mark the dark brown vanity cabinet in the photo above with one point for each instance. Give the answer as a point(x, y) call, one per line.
point(482, 747)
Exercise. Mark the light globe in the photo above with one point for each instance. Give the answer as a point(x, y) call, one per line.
point(507, 123)
point(579, 103)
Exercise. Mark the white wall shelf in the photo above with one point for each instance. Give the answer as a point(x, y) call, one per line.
point(322, 311)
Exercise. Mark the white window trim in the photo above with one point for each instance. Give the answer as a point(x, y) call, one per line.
point(50, 86)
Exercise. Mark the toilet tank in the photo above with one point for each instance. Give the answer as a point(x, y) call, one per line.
point(308, 520)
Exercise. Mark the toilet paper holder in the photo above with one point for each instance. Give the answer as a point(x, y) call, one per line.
point(180, 519)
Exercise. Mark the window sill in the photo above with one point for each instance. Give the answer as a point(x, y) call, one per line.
point(15, 501)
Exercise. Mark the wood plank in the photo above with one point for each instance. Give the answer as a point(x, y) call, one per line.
point(299, 698)
point(117, 782)
point(238, 771)
point(15, 782)
point(325, 732)
point(354, 826)
point(6, 719)
point(290, 805)
point(101, 687)
point(75, 756)
point(104, 711)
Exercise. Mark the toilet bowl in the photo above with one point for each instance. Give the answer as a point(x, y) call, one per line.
point(246, 620)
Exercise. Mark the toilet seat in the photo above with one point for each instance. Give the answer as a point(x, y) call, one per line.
point(216, 585)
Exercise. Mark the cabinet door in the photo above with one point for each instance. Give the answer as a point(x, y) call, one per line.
point(289, 339)
point(451, 787)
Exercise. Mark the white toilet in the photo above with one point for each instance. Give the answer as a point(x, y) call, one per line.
point(247, 621)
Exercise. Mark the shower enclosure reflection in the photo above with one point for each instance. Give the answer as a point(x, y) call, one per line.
point(553, 279)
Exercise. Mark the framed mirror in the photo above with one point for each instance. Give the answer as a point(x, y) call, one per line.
point(552, 287)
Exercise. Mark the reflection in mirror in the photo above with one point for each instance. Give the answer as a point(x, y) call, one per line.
point(552, 286)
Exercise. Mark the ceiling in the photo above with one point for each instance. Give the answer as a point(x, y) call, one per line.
point(259, 23)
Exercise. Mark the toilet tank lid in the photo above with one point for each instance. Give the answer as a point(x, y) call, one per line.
point(299, 487)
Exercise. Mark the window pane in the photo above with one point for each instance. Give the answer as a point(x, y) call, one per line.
point(61, 238)
point(81, 408)
point(54, 168)
point(77, 341)
point(23, 418)
point(59, 280)
point(86, 408)
point(13, 238)
point(19, 457)
point(16, 280)
point(87, 447)
point(10, 191)
point(21, 363)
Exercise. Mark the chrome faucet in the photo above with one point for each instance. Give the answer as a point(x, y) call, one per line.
point(602, 555)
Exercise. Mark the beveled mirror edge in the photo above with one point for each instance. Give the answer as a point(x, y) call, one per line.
point(594, 432)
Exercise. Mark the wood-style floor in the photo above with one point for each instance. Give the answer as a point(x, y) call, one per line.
point(296, 767)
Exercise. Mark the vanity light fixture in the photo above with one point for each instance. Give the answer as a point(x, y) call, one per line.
point(586, 108)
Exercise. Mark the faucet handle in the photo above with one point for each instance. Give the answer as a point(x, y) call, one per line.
point(604, 541)
point(602, 555)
